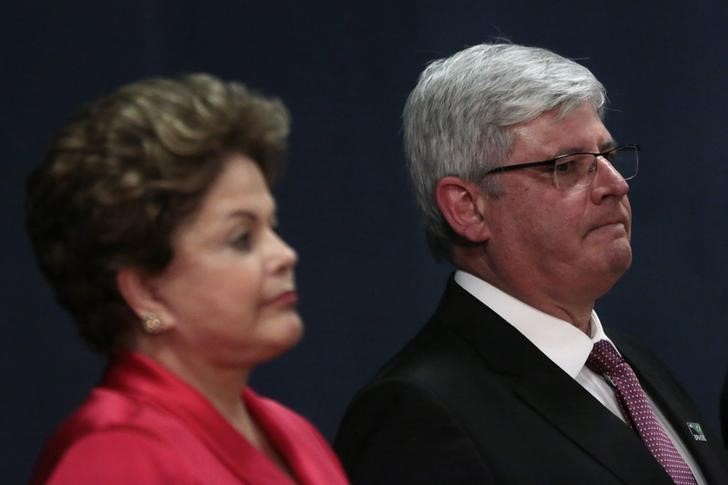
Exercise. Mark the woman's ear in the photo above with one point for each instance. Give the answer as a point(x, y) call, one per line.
point(462, 205)
point(137, 289)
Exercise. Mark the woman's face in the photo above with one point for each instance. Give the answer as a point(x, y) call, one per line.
point(228, 294)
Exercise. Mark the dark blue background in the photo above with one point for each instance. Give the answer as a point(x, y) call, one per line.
point(366, 280)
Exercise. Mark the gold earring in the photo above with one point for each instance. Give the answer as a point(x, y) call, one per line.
point(152, 323)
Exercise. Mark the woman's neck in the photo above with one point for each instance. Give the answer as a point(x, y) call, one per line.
point(223, 388)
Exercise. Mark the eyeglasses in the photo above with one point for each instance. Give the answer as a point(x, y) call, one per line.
point(577, 170)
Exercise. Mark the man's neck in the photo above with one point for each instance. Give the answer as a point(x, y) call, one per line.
point(578, 313)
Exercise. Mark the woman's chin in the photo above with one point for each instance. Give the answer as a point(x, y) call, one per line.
point(288, 333)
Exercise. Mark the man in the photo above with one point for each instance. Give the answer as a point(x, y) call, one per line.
point(524, 191)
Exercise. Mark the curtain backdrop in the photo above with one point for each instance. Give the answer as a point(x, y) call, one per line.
point(366, 280)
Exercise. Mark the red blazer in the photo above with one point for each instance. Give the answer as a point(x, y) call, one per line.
point(144, 425)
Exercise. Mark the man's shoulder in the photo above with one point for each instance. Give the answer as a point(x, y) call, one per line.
point(463, 344)
point(427, 358)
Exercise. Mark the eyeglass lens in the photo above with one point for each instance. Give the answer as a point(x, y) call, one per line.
point(579, 170)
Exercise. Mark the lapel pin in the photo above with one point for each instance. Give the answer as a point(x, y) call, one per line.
point(697, 431)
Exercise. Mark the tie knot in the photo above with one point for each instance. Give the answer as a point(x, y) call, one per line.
point(604, 357)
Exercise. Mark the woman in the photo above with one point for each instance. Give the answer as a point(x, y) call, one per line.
point(153, 221)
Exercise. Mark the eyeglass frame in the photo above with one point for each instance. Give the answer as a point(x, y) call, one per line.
point(552, 162)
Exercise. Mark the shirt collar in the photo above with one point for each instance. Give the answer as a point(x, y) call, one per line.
point(563, 343)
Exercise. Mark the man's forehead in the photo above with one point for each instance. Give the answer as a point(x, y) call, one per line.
point(551, 135)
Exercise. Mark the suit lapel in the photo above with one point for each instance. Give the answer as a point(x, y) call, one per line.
point(549, 391)
point(674, 404)
point(574, 412)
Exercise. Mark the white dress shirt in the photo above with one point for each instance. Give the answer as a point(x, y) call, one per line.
point(567, 347)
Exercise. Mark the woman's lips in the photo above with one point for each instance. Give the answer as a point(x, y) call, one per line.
point(287, 298)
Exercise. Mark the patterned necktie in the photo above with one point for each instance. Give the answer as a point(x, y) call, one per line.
point(604, 359)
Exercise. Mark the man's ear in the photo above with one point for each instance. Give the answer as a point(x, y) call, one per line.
point(137, 289)
point(461, 204)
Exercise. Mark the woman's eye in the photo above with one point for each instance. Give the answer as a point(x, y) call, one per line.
point(242, 241)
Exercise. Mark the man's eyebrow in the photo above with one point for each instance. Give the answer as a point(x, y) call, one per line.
point(603, 147)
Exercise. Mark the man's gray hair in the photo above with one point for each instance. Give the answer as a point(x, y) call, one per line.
point(457, 120)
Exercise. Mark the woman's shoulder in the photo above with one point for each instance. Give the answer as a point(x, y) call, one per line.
point(111, 430)
point(116, 455)
point(107, 410)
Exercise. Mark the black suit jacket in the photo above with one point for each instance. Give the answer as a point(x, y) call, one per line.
point(724, 410)
point(470, 400)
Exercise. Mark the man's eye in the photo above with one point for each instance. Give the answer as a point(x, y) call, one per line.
point(564, 167)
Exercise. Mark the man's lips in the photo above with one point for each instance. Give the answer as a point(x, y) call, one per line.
point(614, 223)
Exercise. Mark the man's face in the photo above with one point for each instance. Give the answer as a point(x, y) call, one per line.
point(567, 245)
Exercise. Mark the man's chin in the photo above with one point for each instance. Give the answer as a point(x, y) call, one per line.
point(619, 260)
